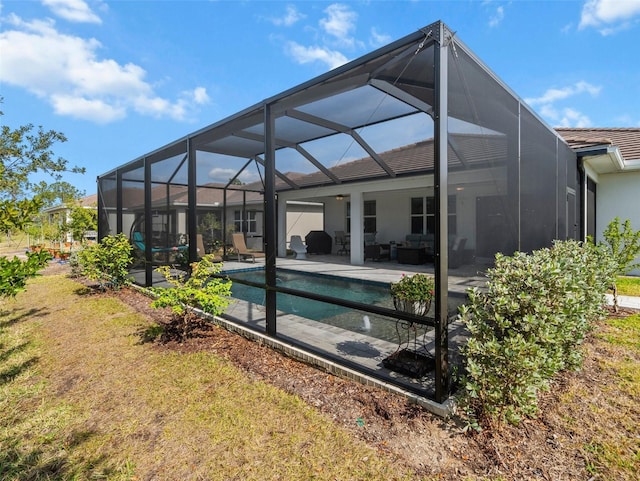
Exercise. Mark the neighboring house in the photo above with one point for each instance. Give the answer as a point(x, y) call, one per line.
point(611, 161)
point(60, 212)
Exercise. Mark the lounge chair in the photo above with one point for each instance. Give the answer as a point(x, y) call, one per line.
point(241, 248)
point(298, 247)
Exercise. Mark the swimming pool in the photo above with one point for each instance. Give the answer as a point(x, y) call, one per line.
point(366, 292)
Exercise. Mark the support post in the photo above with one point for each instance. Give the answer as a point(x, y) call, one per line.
point(441, 235)
point(148, 225)
point(119, 201)
point(192, 201)
point(357, 228)
point(270, 241)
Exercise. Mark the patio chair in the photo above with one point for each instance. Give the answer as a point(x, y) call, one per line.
point(138, 241)
point(373, 250)
point(342, 242)
point(298, 247)
point(241, 248)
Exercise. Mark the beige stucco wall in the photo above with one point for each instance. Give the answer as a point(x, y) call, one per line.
point(304, 217)
point(618, 195)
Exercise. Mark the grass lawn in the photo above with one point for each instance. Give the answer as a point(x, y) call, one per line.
point(628, 285)
point(83, 396)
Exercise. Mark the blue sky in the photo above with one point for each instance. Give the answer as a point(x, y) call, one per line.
point(123, 78)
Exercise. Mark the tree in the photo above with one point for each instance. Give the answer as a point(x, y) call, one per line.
point(623, 244)
point(57, 193)
point(82, 220)
point(23, 153)
point(14, 273)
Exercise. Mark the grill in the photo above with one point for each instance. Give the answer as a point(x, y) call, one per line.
point(318, 242)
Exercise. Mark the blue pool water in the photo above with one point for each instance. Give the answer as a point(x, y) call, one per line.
point(365, 292)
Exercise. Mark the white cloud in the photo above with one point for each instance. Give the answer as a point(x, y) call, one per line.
point(219, 174)
point(199, 95)
point(497, 17)
point(564, 116)
point(88, 109)
point(339, 23)
point(72, 10)
point(609, 16)
point(67, 71)
point(378, 39)
point(291, 17)
point(303, 55)
point(554, 94)
point(573, 118)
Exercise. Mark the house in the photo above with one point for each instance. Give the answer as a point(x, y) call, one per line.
point(610, 158)
point(418, 138)
point(62, 213)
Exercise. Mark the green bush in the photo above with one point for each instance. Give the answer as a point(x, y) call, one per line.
point(528, 325)
point(108, 261)
point(199, 289)
point(15, 273)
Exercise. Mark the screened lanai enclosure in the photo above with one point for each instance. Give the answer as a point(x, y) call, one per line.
point(414, 154)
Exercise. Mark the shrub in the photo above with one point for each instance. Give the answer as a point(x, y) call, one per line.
point(15, 273)
point(108, 261)
point(528, 325)
point(200, 289)
point(623, 244)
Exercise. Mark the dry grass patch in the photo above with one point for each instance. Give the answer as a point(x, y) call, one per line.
point(87, 396)
point(101, 404)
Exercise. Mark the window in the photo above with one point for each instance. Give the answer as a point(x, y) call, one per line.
point(369, 216)
point(423, 215)
point(249, 224)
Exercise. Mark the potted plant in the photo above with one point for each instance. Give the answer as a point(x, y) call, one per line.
point(413, 293)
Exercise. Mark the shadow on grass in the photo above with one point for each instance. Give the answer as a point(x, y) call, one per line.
point(21, 316)
point(151, 333)
point(8, 375)
point(4, 355)
point(87, 290)
point(36, 464)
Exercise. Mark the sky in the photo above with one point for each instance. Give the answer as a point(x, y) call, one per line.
point(123, 78)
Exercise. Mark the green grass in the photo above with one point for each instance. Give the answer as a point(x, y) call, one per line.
point(83, 397)
point(628, 285)
point(616, 454)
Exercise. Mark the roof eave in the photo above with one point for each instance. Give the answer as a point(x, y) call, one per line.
point(604, 159)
